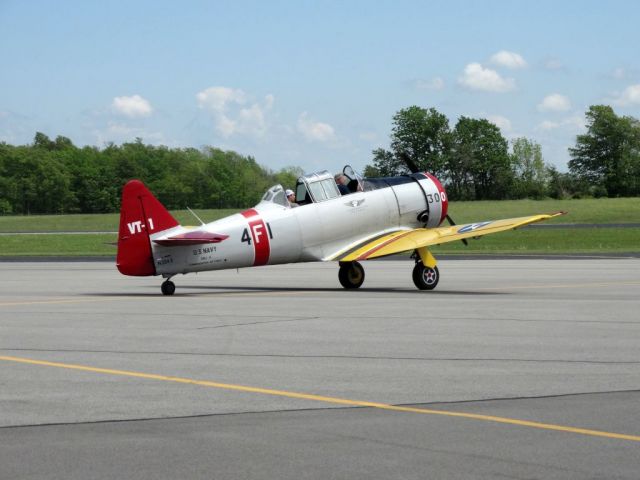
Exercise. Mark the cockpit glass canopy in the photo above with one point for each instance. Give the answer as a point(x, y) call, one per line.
point(276, 195)
point(356, 182)
point(316, 187)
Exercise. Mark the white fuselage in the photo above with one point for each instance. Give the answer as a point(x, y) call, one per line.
point(271, 233)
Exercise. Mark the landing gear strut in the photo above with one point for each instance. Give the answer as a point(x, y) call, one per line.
point(168, 287)
point(351, 274)
point(425, 273)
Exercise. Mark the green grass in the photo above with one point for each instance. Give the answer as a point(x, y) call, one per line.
point(107, 222)
point(526, 240)
point(551, 241)
point(58, 245)
point(592, 210)
point(604, 210)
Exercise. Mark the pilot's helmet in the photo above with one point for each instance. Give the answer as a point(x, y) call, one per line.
point(288, 192)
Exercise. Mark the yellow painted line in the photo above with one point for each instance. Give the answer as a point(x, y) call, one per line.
point(320, 398)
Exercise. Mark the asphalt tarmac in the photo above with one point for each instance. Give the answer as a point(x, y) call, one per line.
point(514, 368)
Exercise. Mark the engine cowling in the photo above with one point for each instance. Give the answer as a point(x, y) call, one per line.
point(437, 202)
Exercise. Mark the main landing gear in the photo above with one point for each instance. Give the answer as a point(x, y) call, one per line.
point(425, 273)
point(168, 287)
point(425, 278)
point(351, 275)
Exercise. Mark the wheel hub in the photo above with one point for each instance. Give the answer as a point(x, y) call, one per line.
point(429, 276)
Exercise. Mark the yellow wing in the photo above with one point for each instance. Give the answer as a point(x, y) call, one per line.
point(408, 240)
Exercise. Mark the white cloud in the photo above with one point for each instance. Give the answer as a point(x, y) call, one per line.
point(252, 120)
point(119, 132)
point(475, 77)
point(217, 98)
point(134, 106)
point(229, 113)
point(574, 123)
point(436, 83)
point(503, 123)
point(630, 96)
point(508, 59)
point(225, 126)
point(315, 131)
point(555, 103)
point(269, 100)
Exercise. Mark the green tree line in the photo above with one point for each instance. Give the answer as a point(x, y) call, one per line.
point(473, 159)
point(476, 162)
point(55, 176)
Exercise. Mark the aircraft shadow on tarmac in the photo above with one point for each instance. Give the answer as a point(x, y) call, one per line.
point(219, 290)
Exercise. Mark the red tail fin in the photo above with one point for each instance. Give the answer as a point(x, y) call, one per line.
point(141, 214)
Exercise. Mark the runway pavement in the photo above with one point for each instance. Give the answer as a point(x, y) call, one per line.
point(513, 368)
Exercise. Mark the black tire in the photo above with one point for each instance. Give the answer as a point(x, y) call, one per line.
point(168, 287)
point(425, 278)
point(351, 275)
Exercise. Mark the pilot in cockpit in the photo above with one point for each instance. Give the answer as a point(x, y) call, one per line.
point(292, 198)
point(342, 181)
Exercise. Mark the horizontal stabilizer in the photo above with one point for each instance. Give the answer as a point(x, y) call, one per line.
point(191, 238)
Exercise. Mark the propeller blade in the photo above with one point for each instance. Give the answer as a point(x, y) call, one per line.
point(413, 168)
point(452, 223)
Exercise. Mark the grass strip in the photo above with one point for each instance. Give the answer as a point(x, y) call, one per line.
point(550, 241)
point(589, 210)
point(103, 222)
point(58, 245)
point(603, 210)
point(522, 241)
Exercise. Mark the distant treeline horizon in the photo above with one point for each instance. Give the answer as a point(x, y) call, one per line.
point(55, 176)
point(474, 161)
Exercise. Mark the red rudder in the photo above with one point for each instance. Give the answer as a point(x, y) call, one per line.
point(141, 214)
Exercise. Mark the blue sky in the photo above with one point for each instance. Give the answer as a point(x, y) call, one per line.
point(312, 84)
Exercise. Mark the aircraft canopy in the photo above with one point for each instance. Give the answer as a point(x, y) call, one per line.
point(316, 187)
point(276, 195)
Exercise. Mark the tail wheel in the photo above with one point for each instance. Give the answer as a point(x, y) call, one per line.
point(425, 278)
point(168, 287)
point(351, 275)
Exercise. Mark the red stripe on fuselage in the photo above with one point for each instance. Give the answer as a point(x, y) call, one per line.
point(259, 235)
point(444, 200)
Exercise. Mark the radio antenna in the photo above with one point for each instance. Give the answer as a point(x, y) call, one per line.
point(194, 214)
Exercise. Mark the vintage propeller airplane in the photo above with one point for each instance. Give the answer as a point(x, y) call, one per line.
point(375, 217)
